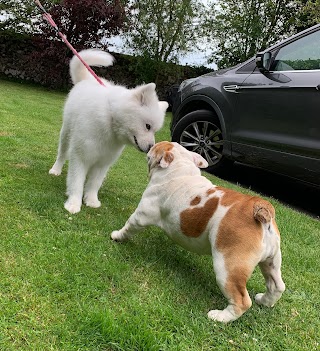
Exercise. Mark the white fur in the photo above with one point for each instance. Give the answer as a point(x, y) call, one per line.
point(98, 122)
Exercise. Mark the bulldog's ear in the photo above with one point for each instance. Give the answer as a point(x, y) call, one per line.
point(199, 161)
point(166, 159)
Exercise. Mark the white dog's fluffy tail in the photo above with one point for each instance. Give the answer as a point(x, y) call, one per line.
point(92, 57)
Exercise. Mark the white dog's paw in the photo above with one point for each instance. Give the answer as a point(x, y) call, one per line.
point(55, 171)
point(92, 201)
point(72, 206)
point(224, 316)
point(117, 236)
point(262, 300)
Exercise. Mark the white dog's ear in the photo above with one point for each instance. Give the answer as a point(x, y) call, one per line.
point(198, 160)
point(166, 159)
point(145, 93)
point(163, 105)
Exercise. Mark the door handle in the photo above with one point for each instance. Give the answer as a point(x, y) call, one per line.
point(318, 87)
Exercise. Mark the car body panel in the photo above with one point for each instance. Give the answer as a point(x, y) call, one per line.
point(270, 120)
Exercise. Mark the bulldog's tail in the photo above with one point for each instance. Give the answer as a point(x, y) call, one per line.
point(263, 211)
point(92, 57)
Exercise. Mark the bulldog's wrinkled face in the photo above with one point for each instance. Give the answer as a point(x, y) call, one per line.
point(164, 153)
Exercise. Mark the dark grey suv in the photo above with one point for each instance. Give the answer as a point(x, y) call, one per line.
point(264, 112)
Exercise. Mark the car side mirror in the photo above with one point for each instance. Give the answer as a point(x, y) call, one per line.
point(263, 61)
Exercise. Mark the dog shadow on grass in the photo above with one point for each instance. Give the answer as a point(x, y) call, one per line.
point(154, 251)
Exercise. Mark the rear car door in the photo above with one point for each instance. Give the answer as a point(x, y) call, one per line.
point(277, 124)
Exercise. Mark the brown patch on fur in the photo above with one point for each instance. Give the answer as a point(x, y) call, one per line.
point(160, 148)
point(236, 289)
point(210, 191)
point(238, 228)
point(195, 201)
point(229, 196)
point(193, 221)
point(168, 157)
point(263, 211)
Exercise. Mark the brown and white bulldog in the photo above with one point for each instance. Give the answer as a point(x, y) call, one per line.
point(238, 230)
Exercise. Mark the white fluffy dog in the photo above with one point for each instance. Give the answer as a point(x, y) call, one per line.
point(98, 122)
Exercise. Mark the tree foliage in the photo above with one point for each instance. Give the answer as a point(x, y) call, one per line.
point(240, 28)
point(311, 12)
point(163, 29)
point(86, 24)
point(16, 17)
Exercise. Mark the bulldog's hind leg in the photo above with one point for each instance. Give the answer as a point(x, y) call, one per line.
point(271, 270)
point(232, 283)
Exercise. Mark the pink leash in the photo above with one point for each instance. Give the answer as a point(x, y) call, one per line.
point(49, 19)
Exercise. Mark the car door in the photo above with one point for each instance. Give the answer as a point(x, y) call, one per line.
point(277, 120)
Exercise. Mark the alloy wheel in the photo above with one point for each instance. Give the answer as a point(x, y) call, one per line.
point(205, 138)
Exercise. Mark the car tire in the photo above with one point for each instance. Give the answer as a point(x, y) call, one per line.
point(200, 131)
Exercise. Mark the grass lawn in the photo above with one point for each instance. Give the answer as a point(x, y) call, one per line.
point(64, 285)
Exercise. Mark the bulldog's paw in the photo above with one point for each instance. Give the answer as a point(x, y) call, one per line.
point(72, 206)
point(117, 236)
point(224, 316)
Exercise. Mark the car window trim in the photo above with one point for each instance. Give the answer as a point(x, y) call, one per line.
point(297, 71)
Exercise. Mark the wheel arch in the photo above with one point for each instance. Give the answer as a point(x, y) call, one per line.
point(202, 102)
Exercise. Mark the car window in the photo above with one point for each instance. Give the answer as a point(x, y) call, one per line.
point(302, 54)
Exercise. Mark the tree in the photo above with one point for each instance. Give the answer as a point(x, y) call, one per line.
point(160, 31)
point(163, 29)
point(240, 28)
point(86, 24)
point(16, 17)
point(83, 21)
point(311, 12)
